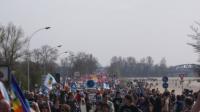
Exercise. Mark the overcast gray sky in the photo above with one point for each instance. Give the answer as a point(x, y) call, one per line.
point(106, 28)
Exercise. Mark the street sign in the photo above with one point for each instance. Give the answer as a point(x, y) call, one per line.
point(165, 79)
point(165, 85)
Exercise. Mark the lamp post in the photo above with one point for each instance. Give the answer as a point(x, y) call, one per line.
point(62, 53)
point(45, 66)
point(60, 68)
point(28, 54)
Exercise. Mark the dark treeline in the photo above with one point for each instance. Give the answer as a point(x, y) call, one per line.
point(131, 67)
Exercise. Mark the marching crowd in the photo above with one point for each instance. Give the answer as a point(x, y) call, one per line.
point(109, 100)
point(125, 100)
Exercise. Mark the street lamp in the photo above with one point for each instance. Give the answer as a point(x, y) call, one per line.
point(60, 68)
point(35, 32)
point(28, 54)
point(58, 46)
point(45, 66)
point(47, 27)
point(62, 53)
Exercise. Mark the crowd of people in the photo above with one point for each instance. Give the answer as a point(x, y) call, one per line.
point(123, 100)
point(126, 99)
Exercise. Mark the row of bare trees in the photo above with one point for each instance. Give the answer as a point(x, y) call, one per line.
point(82, 62)
point(131, 67)
point(43, 60)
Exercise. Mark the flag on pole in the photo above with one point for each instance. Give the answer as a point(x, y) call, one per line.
point(19, 102)
point(106, 86)
point(49, 81)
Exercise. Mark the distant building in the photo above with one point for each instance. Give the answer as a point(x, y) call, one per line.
point(187, 69)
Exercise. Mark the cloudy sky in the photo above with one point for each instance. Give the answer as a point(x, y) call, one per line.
point(107, 28)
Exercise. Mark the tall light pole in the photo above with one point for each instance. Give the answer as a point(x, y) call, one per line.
point(62, 53)
point(58, 46)
point(60, 68)
point(28, 54)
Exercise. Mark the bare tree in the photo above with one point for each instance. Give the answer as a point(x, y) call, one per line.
point(2, 33)
point(37, 56)
point(12, 42)
point(84, 63)
point(48, 54)
point(45, 56)
point(195, 36)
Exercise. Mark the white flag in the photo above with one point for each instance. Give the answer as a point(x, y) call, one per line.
point(49, 81)
point(106, 86)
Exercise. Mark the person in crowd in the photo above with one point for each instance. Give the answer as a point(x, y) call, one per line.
point(151, 108)
point(56, 105)
point(155, 101)
point(172, 99)
point(129, 106)
point(106, 108)
point(106, 101)
point(117, 101)
point(165, 101)
point(157, 90)
point(82, 97)
point(35, 107)
point(4, 106)
point(78, 97)
point(98, 107)
point(98, 97)
point(188, 104)
point(143, 104)
point(74, 106)
point(47, 101)
point(179, 104)
point(196, 106)
point(31, 96)
point(63, 96)
point(87, 102)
